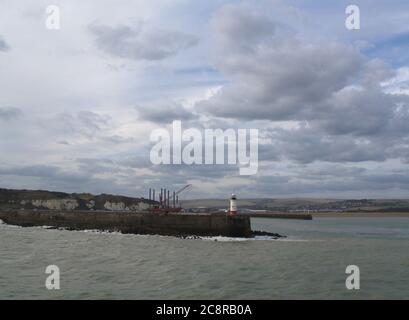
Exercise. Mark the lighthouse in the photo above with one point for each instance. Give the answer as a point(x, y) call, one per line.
point(233, 205)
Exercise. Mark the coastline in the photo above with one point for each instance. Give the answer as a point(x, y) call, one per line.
point(360, 215)
point(312, 215)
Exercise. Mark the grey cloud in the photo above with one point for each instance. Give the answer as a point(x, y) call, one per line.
point(202, 172)
point(359, 112)
point(141, 160)
point(342, 181)
point(363, 126)
point(333, 170)
point(29, 170)
point(400, 180)
point(305, 180)
point(307, 145)
point(3, 45)
point(46, 172)
point(117, 139)
point(97, 165)
point(329, 86)
point(7, 113)
point(278, 77)
point(165, 113)
point(240, 28)
point(140, 42)
point(85, 123)
point(60, 178)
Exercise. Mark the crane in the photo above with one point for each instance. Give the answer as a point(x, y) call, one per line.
point(183, 189)
point(164, 199)
point(176, 195)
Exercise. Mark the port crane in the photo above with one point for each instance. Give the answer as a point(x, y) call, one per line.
point(188, 186)
point(164, 200)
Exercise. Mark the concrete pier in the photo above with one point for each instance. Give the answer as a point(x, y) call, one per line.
point(279, 215)
point(170, 224)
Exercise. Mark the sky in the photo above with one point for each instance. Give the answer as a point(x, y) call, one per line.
point(78, 104)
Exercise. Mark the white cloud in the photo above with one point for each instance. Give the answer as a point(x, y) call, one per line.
point(399, 84)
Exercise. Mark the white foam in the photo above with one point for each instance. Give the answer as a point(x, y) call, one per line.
point(9, 225)
point(214, 238)
point(235, 239)
point(91, 231)
point(292, 240)
point(95, 231)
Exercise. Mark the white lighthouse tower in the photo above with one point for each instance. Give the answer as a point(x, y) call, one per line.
point(233, 205)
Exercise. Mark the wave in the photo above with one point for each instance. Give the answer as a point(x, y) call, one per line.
point(210, 238)
point(192, 237)
point(8, 225)
point(101, 232)
point(234, 239)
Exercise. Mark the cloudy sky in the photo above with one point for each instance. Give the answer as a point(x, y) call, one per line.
point(78, 104)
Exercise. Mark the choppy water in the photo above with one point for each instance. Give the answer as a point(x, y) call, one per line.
point(309, 264)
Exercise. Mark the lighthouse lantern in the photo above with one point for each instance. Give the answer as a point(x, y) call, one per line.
point(233, 205)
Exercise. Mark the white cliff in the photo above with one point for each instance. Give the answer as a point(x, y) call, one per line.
point(56, 204)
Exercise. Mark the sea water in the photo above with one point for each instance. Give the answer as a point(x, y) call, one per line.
point(309, 263)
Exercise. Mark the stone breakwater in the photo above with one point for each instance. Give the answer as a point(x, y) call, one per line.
point(170, 224)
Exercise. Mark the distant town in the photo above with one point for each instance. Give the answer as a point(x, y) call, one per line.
point(300, 205)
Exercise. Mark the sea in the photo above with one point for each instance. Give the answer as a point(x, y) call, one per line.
point(309, 263)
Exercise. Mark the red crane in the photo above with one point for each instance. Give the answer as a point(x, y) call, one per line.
point(176, 207)
point(183, 189)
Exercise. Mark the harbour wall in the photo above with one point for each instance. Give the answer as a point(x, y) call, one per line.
point(278, 215)
point(172, 224)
